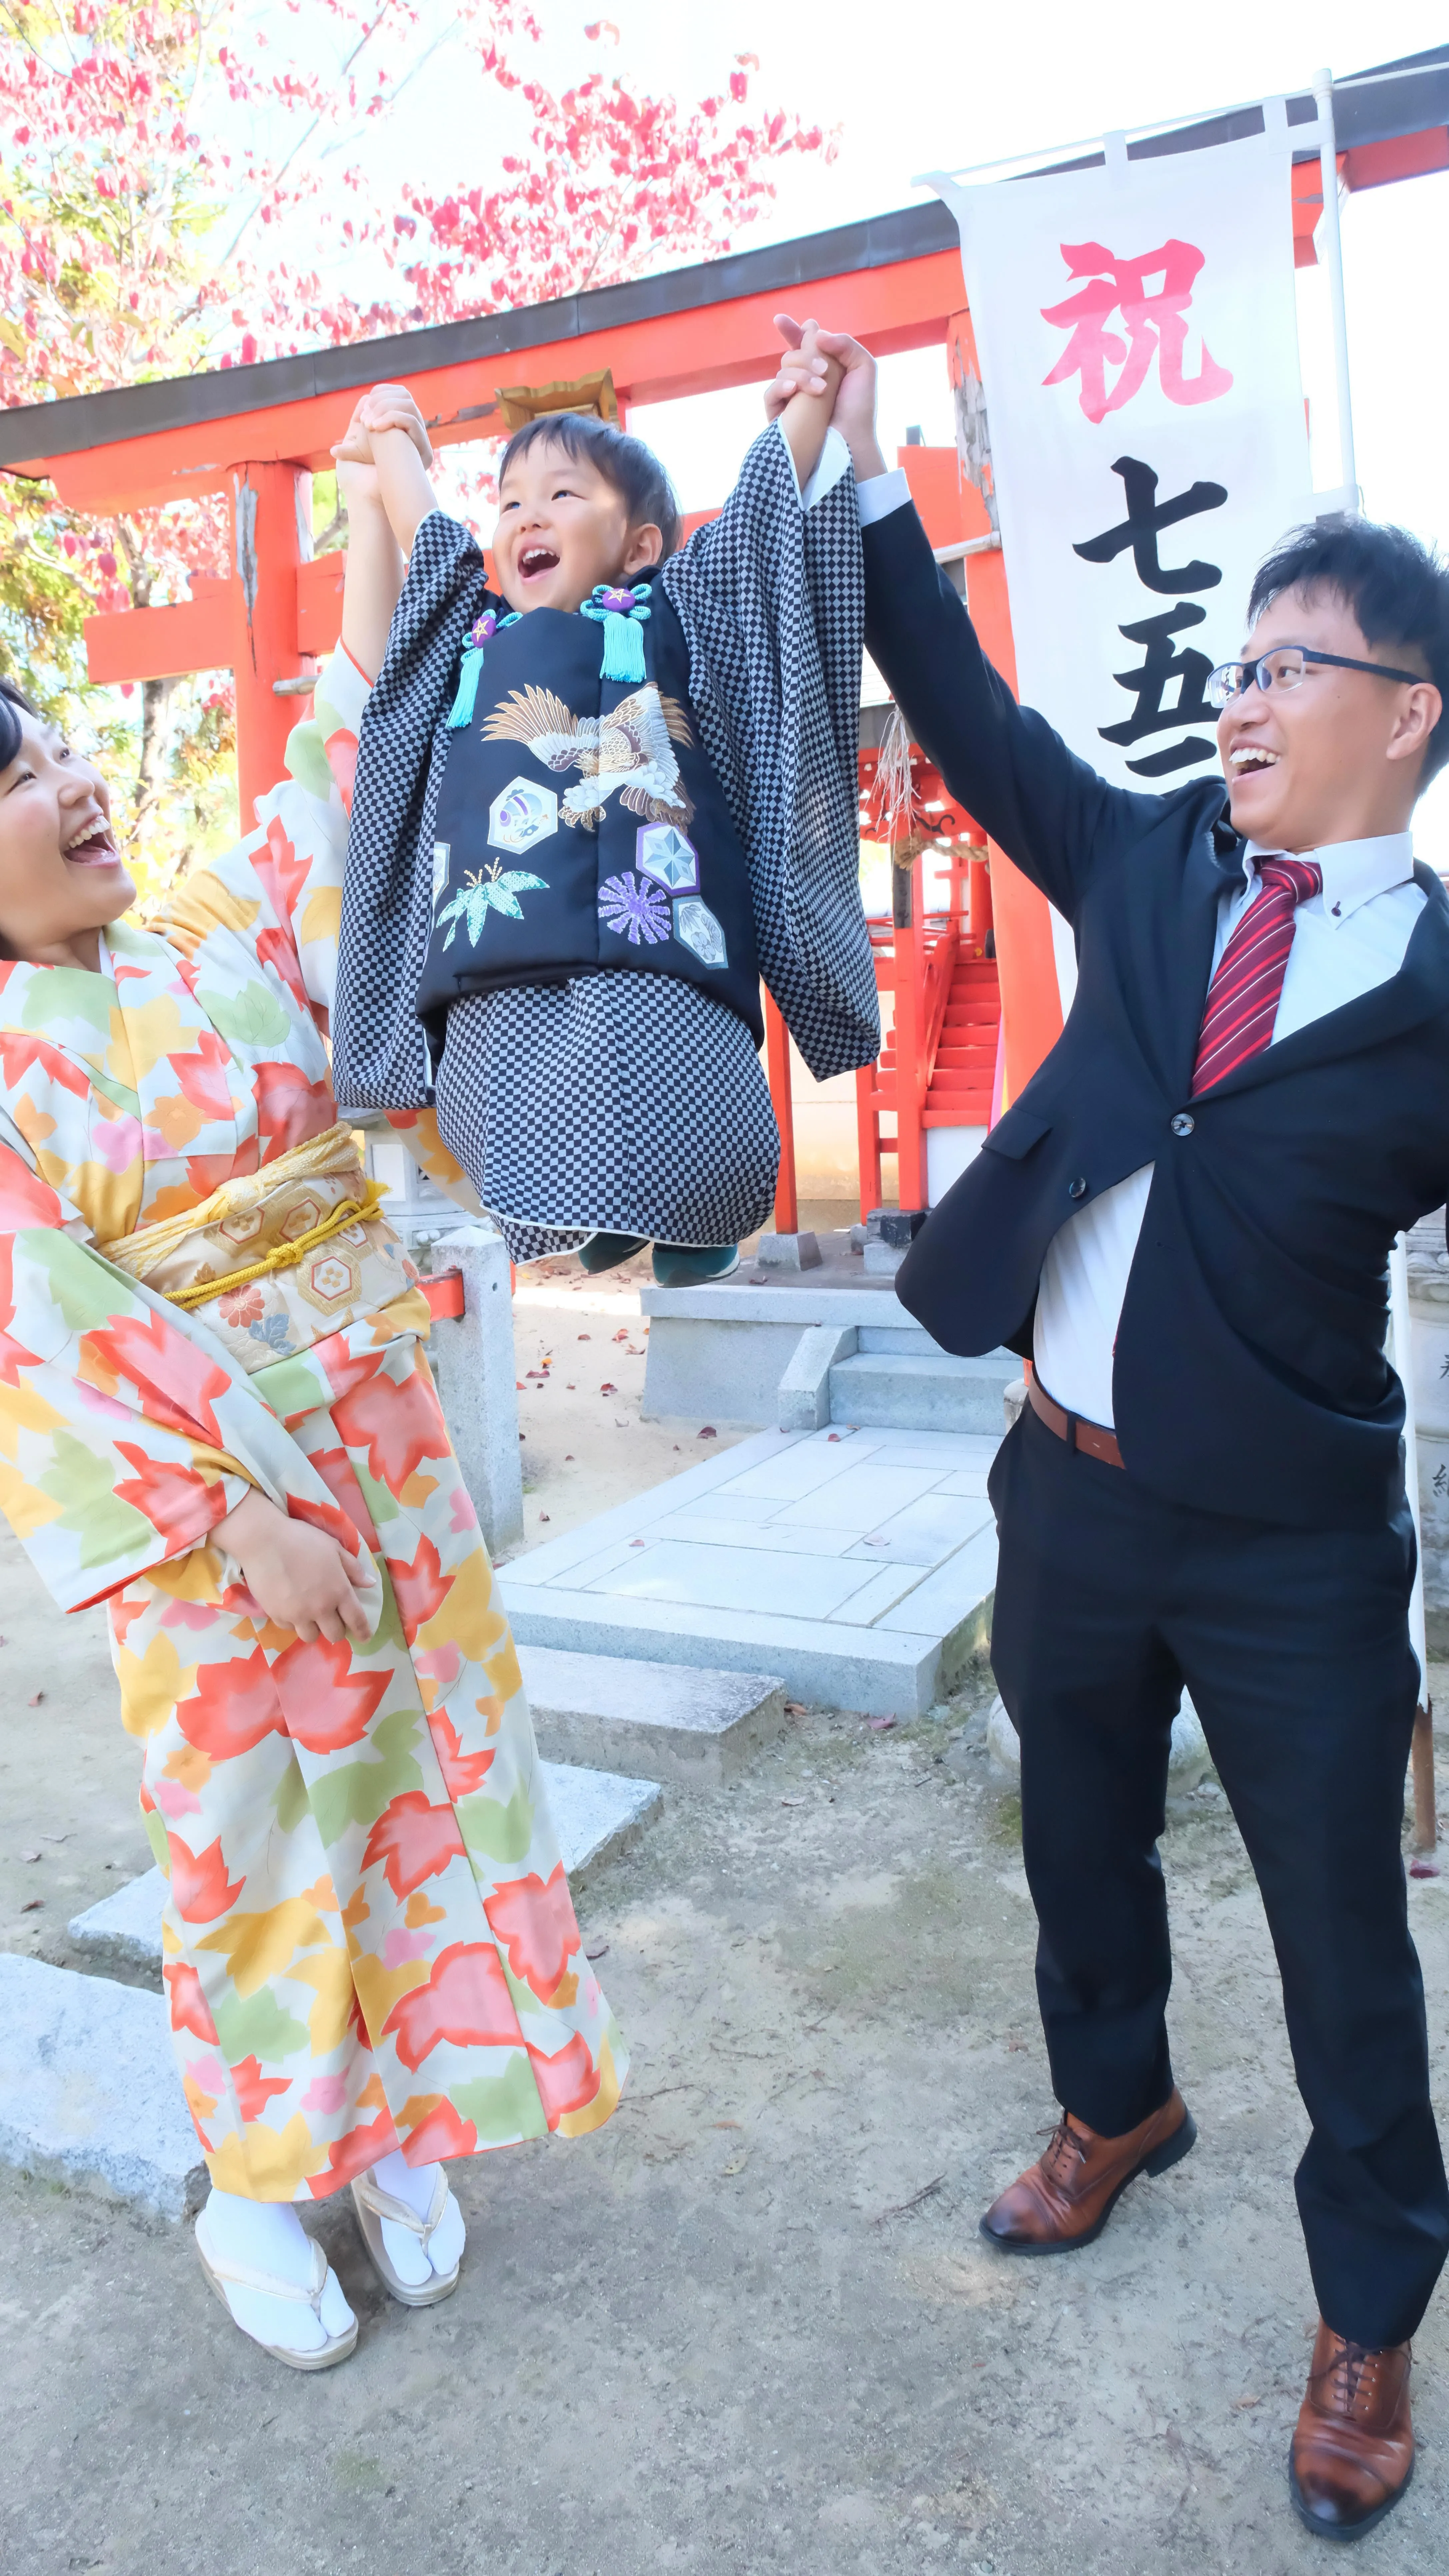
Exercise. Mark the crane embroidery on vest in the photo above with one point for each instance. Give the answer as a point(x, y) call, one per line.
point(629, 748)
point(479, 895)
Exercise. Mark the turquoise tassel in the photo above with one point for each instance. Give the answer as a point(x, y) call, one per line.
point(623, 649)
point(462, 713)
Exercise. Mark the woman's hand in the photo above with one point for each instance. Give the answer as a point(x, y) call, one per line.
point(297, 1575)
point(803, 369)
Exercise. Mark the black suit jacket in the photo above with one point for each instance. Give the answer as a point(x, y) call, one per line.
point(1250, 1374)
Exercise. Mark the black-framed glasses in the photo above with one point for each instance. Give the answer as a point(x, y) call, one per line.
point(1283, 668)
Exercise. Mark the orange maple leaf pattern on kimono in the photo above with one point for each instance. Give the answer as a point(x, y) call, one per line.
point(368, 1933)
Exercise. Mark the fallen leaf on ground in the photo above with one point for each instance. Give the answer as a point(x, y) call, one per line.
point(35, 1699)
point(597, 1950)
point(30, 1855)
point(543, 1516)
point(608, 1387)
point(586, 1337)
point(879, 1725)
point(729, 2124)
point(792, 1802)
point(32, 1904)
point(709, 1432)
point(1423, 1869)
point(794, 1708)
point(622, 1335)
point(569, 1459)
point(739, 2163)
point(56, 1838)
point(1242, 2403)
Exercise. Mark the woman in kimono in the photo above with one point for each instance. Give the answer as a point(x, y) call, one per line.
point(217, 1418)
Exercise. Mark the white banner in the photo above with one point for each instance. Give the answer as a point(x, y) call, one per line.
point(1137, 331)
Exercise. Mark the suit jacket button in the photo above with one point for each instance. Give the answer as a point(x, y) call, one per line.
point(1076, 1189)
point(1182, 1125)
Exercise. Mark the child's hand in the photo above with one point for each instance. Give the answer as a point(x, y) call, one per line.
point(803, 366)
point(392, 407)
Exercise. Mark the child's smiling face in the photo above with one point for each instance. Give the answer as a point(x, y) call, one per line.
point(562, 529)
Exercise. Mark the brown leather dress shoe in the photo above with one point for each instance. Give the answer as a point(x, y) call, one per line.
point(1353, 2452)
point(1066, 2198)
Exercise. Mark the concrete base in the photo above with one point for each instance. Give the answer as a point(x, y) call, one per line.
point(88, 2089)
point(859, 1565)
point(667, 1724)
point(597, 1814)
point(919, 1388)
point(735, 1352)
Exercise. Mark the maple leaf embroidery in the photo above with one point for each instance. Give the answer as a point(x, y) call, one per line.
point(479, 895)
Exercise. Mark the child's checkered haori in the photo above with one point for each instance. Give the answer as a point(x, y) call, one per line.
point(623, 1101)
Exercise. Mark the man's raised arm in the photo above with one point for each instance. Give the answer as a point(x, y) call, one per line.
point(1048, 810)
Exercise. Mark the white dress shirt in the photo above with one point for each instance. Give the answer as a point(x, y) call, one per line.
point(1345, 940)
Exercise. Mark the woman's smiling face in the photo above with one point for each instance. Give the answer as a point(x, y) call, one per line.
point(61, 875)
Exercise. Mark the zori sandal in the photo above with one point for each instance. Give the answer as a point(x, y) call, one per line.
point(373, 2205)
point(246, 2276)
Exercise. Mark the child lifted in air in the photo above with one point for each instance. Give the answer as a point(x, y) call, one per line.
point(593, 807)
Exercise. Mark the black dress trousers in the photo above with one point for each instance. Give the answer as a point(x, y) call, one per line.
point(1295, 1647)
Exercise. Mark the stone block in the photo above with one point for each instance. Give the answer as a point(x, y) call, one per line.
point(804, 1396)
point(89, 2095)
point(473, 1358)
point(597, 1815)
point(1013, 1402)
point(663, 1720)
point(706, 1369)
point(124, 1930)
point(933, 1392)
point(1189, 1762)
point(788, 1252)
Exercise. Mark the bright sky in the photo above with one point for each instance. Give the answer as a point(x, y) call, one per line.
point(934, 84)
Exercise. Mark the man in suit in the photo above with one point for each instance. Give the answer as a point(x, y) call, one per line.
point(1184, 1225)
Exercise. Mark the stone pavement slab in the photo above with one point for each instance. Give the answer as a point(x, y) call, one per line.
point(88, 2089)
point(597, 1814)
point(857, 1564)
point(665, 1722)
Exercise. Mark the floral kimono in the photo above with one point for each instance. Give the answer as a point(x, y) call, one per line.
point(369, 1939)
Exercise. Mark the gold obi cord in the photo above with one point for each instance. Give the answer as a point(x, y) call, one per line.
point(278, 1257)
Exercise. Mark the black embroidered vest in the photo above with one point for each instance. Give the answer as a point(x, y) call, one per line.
point(581, 828)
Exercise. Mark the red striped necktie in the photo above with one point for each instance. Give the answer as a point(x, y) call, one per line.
point(1243, 997)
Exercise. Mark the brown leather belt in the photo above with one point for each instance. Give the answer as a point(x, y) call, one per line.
point(1092, 1438)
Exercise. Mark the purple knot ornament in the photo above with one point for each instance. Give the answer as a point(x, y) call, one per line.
point(483, 629)
point(617, 603)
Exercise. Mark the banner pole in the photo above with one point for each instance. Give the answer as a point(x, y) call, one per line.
point(1333, 245)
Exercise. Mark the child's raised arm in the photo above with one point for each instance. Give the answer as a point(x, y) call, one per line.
point(374, 574)
point(805, 418)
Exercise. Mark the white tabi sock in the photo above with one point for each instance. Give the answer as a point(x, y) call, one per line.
point(268, 2236)
point(414, 2184)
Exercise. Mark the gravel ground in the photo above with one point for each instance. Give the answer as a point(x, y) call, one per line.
point(750, 2325)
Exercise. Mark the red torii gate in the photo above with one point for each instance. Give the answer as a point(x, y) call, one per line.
point(256, 432)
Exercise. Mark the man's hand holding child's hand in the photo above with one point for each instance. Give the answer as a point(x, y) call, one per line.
point(814, 360)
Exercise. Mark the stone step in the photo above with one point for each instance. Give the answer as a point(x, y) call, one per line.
point(858, 1565)
point(597, 1815)
point(664, 1723)
point(886, 1390)
point(88, 2089)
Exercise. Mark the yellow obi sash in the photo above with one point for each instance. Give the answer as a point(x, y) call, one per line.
point(276, 1260)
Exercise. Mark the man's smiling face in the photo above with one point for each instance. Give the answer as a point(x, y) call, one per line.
point(1337, 759)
